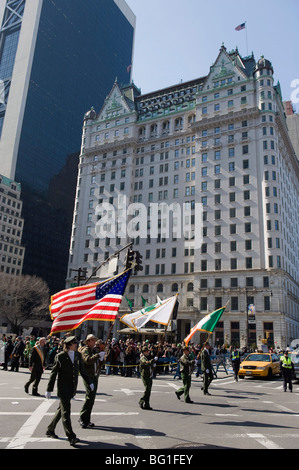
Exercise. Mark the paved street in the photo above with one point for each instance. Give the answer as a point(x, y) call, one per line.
point(249, 414)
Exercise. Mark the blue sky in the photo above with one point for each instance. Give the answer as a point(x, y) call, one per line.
point(179, 40)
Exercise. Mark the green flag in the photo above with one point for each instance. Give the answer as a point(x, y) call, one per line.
point(206, 324)
point(130, 304)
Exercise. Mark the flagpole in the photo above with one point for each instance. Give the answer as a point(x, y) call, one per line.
point(246, 37)
point(107, 260)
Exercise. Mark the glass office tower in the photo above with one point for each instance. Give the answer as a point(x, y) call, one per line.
point(57, 59)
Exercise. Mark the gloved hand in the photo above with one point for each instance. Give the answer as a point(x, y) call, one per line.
point(156, 358)
point(91, 386)
point(48, 395)
point(207, 371)
point(102, 355)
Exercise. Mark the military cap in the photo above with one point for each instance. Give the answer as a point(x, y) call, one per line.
point(185, 347)
point(70, 339)
point(144, 349)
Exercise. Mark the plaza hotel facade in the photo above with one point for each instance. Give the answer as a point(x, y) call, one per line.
point(221, 143)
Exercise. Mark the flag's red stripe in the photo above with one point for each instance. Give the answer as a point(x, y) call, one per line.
point(83, 307)
point(75, 318)
point(62, 327)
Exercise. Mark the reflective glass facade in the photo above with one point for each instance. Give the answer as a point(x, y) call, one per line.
point(80, 49)
point(9, 40)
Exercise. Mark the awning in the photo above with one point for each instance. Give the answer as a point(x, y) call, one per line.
point(143, 331)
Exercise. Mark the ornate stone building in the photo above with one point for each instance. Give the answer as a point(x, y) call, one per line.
point(214, 156)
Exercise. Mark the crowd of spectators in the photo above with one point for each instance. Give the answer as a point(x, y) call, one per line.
point(122, 356)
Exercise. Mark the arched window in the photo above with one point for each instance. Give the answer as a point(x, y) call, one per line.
point(174, 287)
point(153, 128)
point(190, 287)
point(145, 289)
point(132, 289)
point(160, 288)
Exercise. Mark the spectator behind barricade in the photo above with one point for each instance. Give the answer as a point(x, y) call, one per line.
point(27, 352)
point(138, 352)
point(52, 352)
point(108, 357)
point(178, 354)
point(121, 346)
point(7, 352)
point(100, 345)
point(29, 345)
point(130, 359)
point(17, 354)
point(115, 351)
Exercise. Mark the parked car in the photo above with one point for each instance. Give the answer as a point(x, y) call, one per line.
point(259, 365)
point(295, 361)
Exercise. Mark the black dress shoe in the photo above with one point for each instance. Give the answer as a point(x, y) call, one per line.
point(141, 404)
point(52, 435)
point(147, 408)
point(189, 401)
point(26, 388)
point(85, 425)
point(74, 441)
point(178, 395)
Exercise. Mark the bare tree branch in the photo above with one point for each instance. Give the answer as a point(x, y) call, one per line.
point(23, 298)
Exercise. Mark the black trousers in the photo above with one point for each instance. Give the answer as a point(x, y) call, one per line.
point(236, 367)
point(63, 412)
point(35, 377)
point(287, 379)
point(85, 413)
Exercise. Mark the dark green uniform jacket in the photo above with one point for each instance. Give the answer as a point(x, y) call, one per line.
point(67, 374)
point(186, 365)
point(145, 367)
point(91, 361)
point(205, 361)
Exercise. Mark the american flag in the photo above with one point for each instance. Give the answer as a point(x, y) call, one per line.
point(98, 301)
point(240, 27)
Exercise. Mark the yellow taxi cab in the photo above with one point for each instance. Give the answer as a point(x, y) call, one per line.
point(259, 365)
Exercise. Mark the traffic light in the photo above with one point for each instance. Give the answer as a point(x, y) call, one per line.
point(138, 262)
point(129, 258)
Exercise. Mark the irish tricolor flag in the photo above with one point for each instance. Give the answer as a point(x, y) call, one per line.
point(207, 324)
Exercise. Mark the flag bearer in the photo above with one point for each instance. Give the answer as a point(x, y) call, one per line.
point(145, 366)
point(186, 369)
point(93, 362)
point(207, 368)
point(66, 367)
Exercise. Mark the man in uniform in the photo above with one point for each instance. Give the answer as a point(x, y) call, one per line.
point(206, 367)
point(93, 362)
point(145, 372)
point(186, 369)
point(287, 369)
point(36, 366)
point(235, 358)
point(67, 366)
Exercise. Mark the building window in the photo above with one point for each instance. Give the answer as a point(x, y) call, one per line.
point(234, 303)
point(267, 303)
point(235, 333)
point(203, 303)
